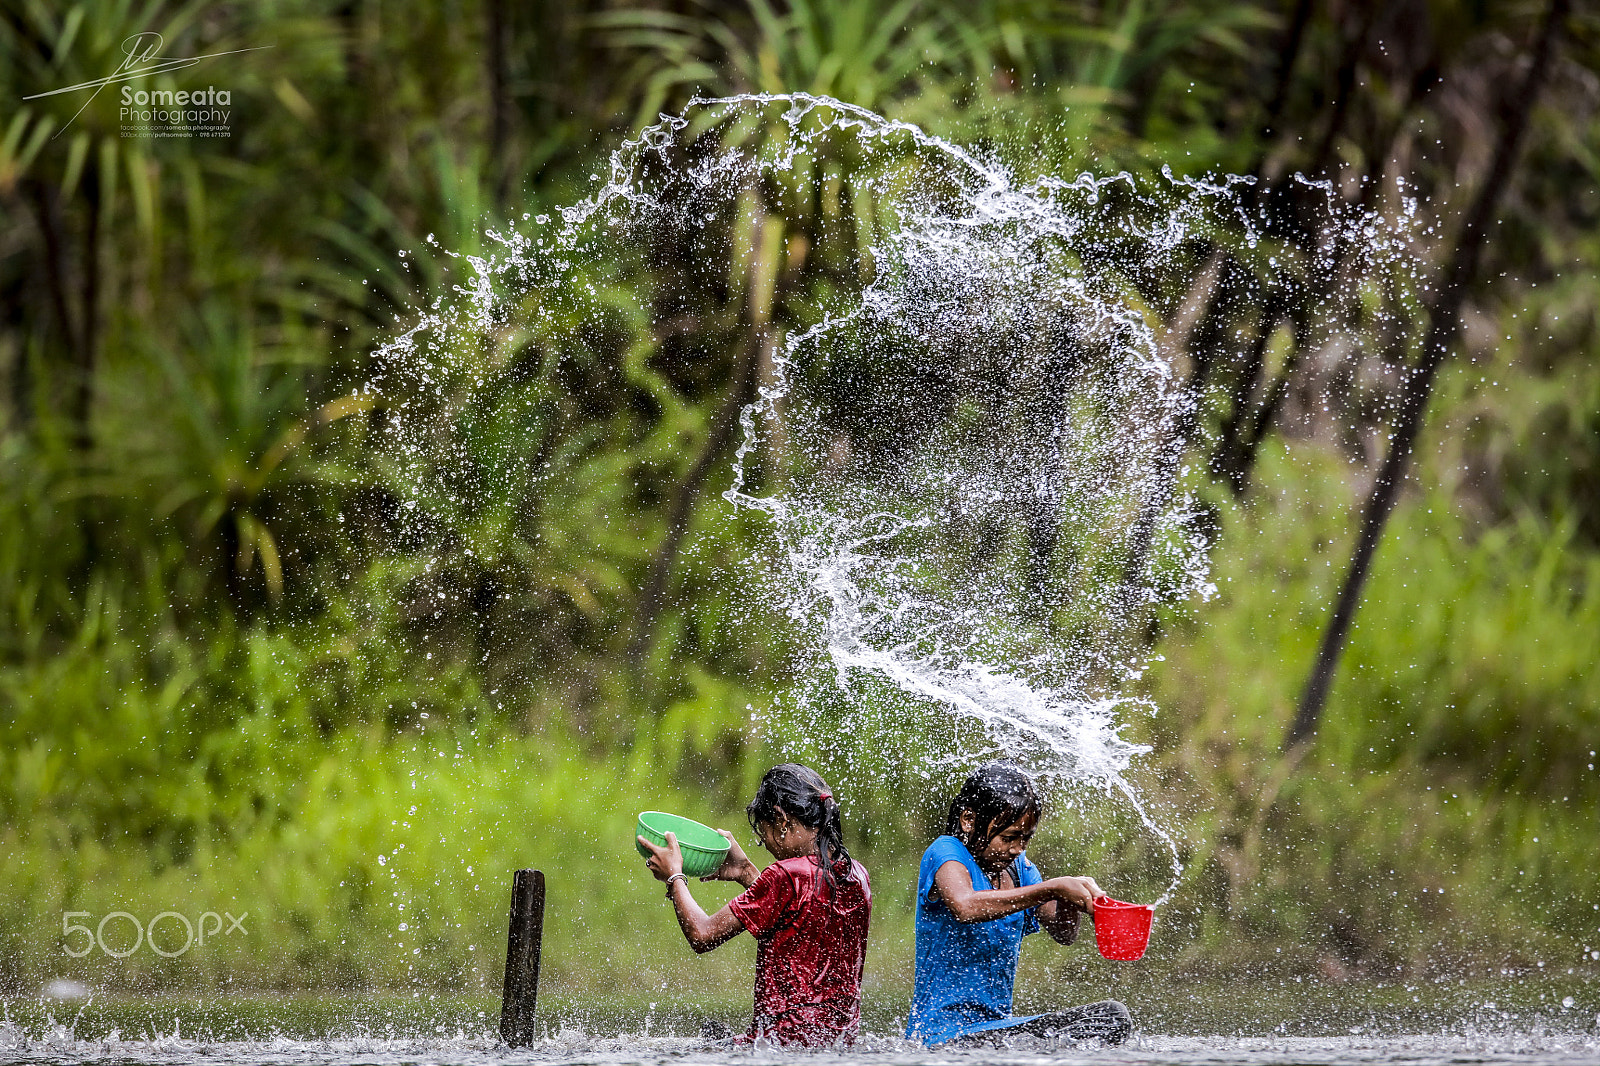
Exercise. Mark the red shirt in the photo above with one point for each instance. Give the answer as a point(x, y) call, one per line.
point(811, 942)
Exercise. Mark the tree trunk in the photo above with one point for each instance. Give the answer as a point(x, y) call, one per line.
point(723, 425)
point(766, 255)
point(1248, 446)
point(55, 268)
point(1444, 317)
point(1345, 80)
point(83, 387)
point(1241, 437)
point(1228, 456)
point(499, 105)
point(1196, 328)
point(1288, 56)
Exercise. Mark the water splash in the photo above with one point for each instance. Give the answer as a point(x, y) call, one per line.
point(971, 471)
point(970, 446)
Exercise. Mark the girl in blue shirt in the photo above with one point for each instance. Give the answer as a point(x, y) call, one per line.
point(977, 897)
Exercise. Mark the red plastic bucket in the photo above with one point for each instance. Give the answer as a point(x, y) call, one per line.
point(1121, 930)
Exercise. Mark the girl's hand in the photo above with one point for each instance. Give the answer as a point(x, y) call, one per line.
point(736, 867)
point(664, 862)
point(1078, 892)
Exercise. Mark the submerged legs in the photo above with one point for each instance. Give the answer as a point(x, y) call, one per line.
point(1107, 1020)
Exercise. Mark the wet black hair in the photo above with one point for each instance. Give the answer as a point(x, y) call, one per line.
point(999, 795)
point(802, 793)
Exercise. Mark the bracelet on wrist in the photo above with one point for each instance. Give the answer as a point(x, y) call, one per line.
point(675, 877)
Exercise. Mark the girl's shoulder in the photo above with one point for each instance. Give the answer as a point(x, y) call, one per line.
point(945, 848)
point(806, 866)
point(803, 883)
point(793, 867)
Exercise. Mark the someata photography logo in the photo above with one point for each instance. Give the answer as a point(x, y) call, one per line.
point(197, 111)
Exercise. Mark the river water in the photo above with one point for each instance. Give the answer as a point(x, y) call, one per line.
point(1535, 1021)
point(1420, 1048)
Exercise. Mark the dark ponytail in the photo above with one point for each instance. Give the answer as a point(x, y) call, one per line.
point(802, 793)
point(999, 795)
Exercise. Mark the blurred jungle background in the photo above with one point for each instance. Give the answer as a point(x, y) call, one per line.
point(232, 679)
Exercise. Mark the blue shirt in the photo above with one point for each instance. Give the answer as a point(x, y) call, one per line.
point(965, 970)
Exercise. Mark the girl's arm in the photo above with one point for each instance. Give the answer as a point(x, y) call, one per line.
point(953, 884)
point(1060, 920)
point(1060, 917)
point(736, 867)
point(702, 931)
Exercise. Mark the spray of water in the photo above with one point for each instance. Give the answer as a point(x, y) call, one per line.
point(971, 457)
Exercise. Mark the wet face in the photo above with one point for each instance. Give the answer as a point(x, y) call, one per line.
point(784, 836)
point(765, 835)
point(1002, 846)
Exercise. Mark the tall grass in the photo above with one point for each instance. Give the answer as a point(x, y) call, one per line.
point(1438, 821)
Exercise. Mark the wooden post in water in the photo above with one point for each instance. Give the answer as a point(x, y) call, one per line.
point(523, 942)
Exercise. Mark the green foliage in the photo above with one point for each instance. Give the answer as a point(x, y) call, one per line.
point(237, 667)
point(1488, 645)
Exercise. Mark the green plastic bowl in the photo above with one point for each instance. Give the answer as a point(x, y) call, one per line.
point(704, 849)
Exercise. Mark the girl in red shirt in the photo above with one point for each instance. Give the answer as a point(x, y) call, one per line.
point(808, 911)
